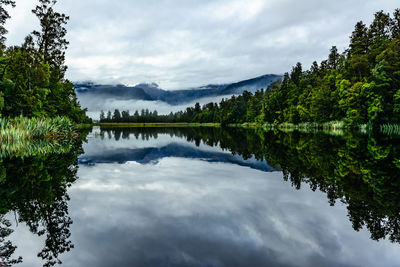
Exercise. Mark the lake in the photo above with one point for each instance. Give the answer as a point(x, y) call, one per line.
point(204, 197)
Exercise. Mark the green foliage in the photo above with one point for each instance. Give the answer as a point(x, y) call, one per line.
point(32, 80)
point(16, 130)
point(50, 40)
point(4, 15)
point(1, 102)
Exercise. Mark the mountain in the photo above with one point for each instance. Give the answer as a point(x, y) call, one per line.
point(112, 91)
point(152, 92)
point(251, 85)
point(152, 155)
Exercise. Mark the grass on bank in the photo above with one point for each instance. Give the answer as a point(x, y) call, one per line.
point(24, 137)
point(21, 128)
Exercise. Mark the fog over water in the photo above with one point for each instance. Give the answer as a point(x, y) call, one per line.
point(96, 104)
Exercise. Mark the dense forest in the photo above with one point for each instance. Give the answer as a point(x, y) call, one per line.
point(359, 86)
point(32, 75)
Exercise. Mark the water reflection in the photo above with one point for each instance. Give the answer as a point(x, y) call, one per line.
point(361, 171)
point(7, 249)
point(33, 189)
point(153, 153)
point(206, 197)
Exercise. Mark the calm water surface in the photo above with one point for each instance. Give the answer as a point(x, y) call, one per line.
point(204, 197)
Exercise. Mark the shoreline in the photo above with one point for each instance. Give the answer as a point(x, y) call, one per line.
point(155, 124)
point(334, 127)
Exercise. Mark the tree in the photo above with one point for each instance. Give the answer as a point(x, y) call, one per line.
point(359, 39)
point(116, 116)
point(51, 40)
point(32, 80)
point(4, 15)
point(395, 25)
point(333, 59)
point(24, 83)
point(136, 116)
point(197, 108)
point(102, 116)
point(125, 115)
point(295, 75)
point(314, 68)
point(380, 27)
point(378, 34)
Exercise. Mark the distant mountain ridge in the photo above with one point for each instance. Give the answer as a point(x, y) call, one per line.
point(152, 155)
point(152, 92)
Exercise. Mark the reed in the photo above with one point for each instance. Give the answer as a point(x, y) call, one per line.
point(23, 136)
point(21, 128)
point(28, 148)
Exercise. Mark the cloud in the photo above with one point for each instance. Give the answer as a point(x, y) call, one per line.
point(181, 44)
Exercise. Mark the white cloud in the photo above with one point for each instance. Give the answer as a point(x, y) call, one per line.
point(181, 44)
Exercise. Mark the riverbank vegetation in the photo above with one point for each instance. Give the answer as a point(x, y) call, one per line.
point(22, 129)
point(32, 79)
point(359, 87)
point(23, 137)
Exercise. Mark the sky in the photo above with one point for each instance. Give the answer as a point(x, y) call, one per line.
point(181, 44)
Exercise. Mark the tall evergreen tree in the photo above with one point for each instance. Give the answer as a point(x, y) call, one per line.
point(395, 27)
point(4, 15)
point(333, 59)
point(380, 27)
point(359, 39)
point(102, 116)
point(50, 39)
point(117, 115)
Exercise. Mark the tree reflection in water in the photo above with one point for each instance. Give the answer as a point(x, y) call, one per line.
point(35, 189)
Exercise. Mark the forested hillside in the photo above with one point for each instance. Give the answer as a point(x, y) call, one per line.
point(360, 85)
point(32, 82)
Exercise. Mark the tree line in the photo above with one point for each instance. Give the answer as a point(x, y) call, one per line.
point(32, 75)
point(361, 85)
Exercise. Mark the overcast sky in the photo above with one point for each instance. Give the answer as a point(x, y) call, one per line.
point(186, 43)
